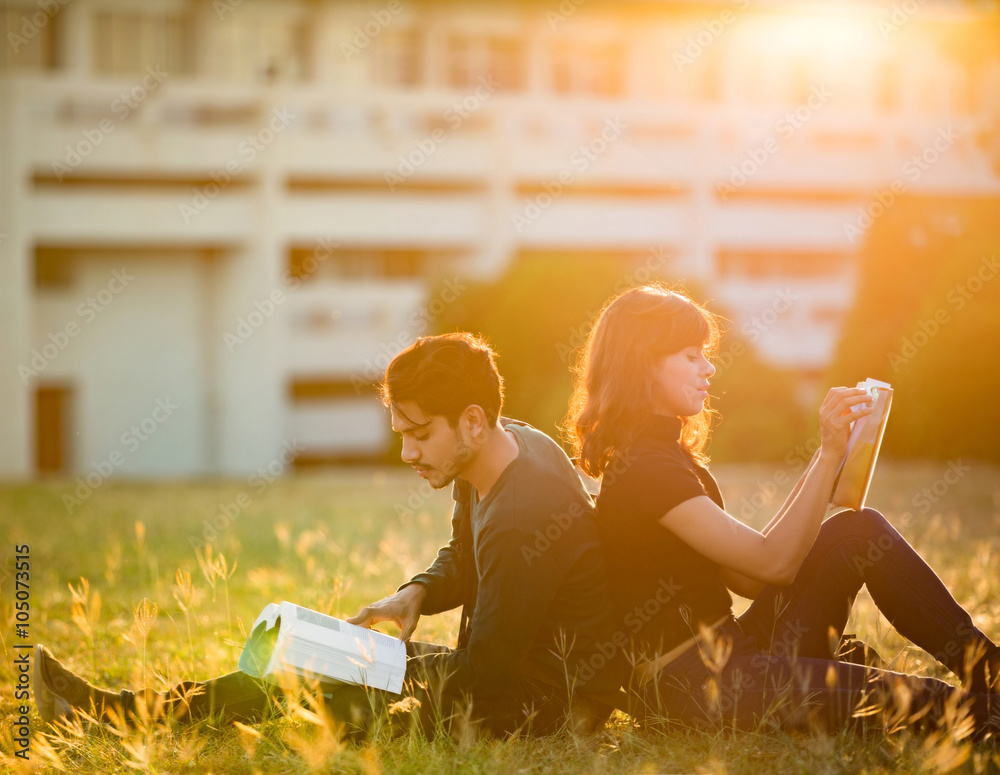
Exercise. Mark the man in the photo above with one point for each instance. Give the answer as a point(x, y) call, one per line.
point(524, 562)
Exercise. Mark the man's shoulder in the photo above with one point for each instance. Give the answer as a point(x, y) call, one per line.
point(538, 456)
point(544, 455)
point(535, 439)
point(544, 480)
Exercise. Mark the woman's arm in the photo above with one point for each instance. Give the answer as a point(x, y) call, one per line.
point(774, 557)
point(791, 495)
point(744, 586)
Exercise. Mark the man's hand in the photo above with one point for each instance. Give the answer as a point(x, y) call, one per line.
point(402, 608)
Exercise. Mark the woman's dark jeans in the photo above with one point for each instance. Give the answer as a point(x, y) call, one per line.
point(777, 662)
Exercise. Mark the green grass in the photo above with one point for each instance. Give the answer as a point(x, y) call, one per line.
point(337, 541)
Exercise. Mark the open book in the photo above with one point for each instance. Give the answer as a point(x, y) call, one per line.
point(855, 473)
point(288, 640)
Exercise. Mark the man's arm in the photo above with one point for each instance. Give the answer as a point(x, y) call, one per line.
point(444, 582)
point(515, 592)
point(439, 588)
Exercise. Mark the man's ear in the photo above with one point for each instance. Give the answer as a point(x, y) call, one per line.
point(473, 421)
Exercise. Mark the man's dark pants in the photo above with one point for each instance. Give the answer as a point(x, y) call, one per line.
point(531, 706)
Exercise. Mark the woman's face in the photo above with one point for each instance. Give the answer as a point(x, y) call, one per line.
point(682, 382)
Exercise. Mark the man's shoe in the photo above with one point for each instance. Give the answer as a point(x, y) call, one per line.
point(59, 692)
point(51, 706)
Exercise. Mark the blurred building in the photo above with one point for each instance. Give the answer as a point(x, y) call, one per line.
point(218, 220)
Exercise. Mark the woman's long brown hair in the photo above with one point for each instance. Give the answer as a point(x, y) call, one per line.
point(613, 396)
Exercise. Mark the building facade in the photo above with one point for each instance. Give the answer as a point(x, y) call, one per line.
point(219, 220)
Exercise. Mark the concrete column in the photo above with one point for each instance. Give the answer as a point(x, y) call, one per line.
point(16, 285)
point(697, 256)
point(252, 305)
point(77, 20)
point(500, 242)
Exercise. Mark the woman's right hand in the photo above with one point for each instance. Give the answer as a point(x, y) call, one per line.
point(835, 417)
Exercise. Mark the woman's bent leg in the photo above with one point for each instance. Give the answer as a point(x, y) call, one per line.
point(754, 689)
point(856, 548)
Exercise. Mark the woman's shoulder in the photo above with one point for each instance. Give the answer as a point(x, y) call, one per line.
point(650, 449)
point(649, 463)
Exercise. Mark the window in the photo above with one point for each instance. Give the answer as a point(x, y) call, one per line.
point(711, 74)
point(888, 86)
point(30, 35)
point(400, 59)
point(781, 263)
point(54, 269)
point(496, 59)
point(126, 43)
point(52, 426)
point(347, 264)
point(966, 88)
point(804, 77)
point(580, 67)
point(989, 92)
point(826, 315)
point(253, 47)
point(668, 73)
point(301, 389)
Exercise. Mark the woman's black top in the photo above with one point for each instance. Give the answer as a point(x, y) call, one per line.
point(661, 587)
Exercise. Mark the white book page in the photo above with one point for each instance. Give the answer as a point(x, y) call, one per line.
point(336, 633)
point(314, 644)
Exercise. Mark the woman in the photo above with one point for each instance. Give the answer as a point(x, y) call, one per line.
point(640, 420)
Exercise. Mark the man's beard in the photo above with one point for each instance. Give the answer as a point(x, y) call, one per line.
point(460, 455)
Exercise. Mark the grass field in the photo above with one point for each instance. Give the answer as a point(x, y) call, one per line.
point(117, 591)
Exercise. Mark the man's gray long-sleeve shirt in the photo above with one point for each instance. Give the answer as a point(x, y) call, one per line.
point(526, 565)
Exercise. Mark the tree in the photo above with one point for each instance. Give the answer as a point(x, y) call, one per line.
point(761, 417)
point(927, 319)
point(538, 315)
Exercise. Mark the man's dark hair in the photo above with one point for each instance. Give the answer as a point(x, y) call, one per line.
point(445, 374)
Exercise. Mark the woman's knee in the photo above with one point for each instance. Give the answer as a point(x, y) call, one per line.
point(863, 524)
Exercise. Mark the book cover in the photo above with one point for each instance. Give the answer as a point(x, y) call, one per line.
point(287, 640)
point(854, 476)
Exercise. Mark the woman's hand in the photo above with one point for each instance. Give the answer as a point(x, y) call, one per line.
point(775, 555)
point(835, 417)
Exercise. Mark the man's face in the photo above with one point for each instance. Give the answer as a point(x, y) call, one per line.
point(437, 452)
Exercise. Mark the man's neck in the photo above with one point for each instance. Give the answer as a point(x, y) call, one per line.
point(499, 451)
